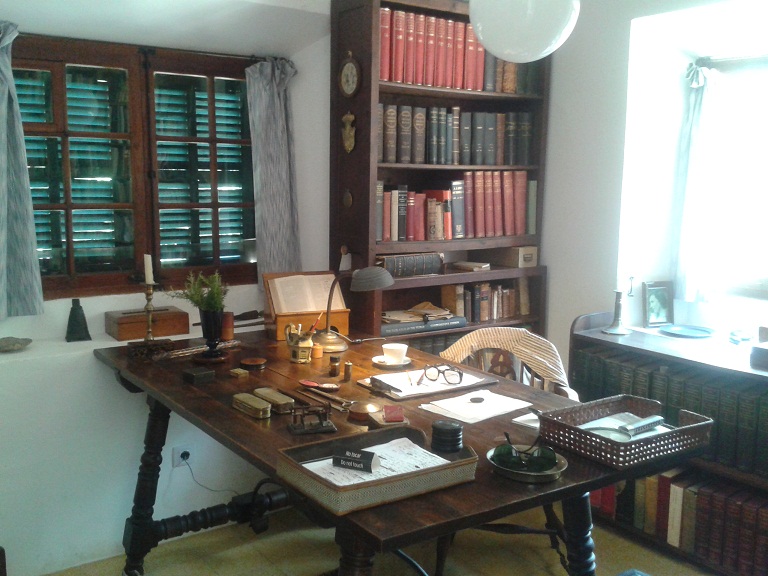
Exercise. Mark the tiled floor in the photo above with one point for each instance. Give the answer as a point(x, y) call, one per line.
point(294, 547)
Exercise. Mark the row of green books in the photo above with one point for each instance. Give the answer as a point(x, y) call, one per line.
point(737, 405)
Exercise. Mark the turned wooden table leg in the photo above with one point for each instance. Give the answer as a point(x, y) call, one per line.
point(139, 537)
point(356, 558)
point(577, 520)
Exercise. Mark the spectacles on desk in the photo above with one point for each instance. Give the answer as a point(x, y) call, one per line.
point(533, 459)
point(451, 374)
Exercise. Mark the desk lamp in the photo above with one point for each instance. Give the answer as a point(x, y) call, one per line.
point(363, 280)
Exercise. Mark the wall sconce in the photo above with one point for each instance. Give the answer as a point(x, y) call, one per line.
point(363, 280)
point(523, 30)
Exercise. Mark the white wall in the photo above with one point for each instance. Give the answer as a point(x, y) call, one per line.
point(585, 155)
point(71, 437)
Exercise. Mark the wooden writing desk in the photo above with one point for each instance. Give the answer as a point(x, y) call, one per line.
point(363, 533)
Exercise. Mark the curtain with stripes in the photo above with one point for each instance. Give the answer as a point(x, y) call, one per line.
point(277, 220)
point(21, 292)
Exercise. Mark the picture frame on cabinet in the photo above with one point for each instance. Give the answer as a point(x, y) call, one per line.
point(658, 304)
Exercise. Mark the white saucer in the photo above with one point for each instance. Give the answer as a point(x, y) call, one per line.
point(381, 362)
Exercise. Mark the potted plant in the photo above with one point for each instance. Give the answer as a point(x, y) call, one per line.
point(207, 294)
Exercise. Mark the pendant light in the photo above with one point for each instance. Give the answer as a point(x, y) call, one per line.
point(523, 30)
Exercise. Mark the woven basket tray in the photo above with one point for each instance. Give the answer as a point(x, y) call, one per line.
point(560, 427)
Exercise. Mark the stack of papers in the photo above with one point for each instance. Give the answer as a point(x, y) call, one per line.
point(468, 409)
point(412, 383)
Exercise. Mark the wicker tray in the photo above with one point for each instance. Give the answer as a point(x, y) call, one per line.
point(560, 427)
point(345, 499)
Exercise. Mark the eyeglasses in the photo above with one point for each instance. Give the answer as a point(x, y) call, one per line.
point(533, 459)
point(451, 374)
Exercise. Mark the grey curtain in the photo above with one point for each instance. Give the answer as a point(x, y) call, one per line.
point(21, 293)
point(274, 179)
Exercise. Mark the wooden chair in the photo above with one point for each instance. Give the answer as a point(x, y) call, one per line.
point(517, 354)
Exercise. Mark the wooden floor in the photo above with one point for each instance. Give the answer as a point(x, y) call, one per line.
point(294, 547)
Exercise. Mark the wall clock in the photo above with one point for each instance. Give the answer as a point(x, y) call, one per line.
point(349, 76)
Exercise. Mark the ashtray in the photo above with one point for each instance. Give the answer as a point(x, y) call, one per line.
point(530, 477)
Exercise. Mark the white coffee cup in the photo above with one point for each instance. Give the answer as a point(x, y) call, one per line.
point(394, 353)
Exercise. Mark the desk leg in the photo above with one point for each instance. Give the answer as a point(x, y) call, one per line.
point(356, 559)
point(577, 520)
point(139, 537)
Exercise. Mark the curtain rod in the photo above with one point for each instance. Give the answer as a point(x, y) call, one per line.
point(710, 62)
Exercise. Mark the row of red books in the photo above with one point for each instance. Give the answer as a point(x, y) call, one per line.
point(721, 522)
point(433, 51)
point(482, 204)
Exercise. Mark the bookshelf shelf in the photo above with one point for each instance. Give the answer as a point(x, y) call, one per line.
point(354, 175)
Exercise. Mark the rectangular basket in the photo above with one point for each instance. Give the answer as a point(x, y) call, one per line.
point(561, 427)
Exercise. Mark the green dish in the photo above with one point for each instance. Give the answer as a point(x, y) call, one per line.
point(530, 477)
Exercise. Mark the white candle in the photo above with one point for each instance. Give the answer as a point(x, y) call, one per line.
point(149, 278)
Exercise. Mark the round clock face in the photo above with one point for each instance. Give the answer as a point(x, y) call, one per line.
point(349, 78)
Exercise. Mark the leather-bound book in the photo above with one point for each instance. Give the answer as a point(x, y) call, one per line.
point(489, 72)
point(520, 178)
point(385, 44)
point(479, 65)
point(498, 204)
point(430, 50)
point(442, 135)
point(404, 133)
point(398, 46)
point(459, 35)
point(455, 136)
point(380, 132)
point(761, 543)
point(457, 209)
point(419, 135)
point(478, 137)
point(440, 52)
point(469, 205)
point(761, 442)
point(508, 203)
point(386, 230)
point(479, 204)
point(420, 217)
point(409, 66)
point(420, 30)
point(450, 30)
point(662, 500)
point(746, 427)
point(402, 212)
point(509, 78)
point(490, 221)
point(500, 125)
point(379, 210)
point(489, 139)
point(748, 532)
point(717, 522)
point(470, 58)
point(510, 137)
point(688, 519)
point(734, 511)
point(390, 133)
point(465, 138)
point(524, 138)
point(703, 516)
point(410, 216)
point(433, 133)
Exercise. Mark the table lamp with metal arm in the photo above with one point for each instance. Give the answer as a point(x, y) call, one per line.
point(363, 280)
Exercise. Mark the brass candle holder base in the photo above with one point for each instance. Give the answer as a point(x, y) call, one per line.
point(149, 346)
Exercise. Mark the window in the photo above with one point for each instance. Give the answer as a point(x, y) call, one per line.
point(135, 151)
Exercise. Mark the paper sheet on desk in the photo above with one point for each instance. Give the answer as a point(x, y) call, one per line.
point(463, 409)
point(406, 383)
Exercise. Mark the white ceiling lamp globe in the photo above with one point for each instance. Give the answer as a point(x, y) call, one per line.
point(523, 30)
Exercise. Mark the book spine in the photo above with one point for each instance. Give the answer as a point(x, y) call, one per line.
point(431, 219)
point(733, 517)
point(394, 221)
point(457, 208)
point(447, 220)
point(469, 205)
point(470, 64)
point(455, 135)
point(380, 132)
point(459, 34)
point(465, 138)
point(489, 72)
point(387, 216)
point(442, 135)
point(510, 137)
point(710, 404)
point(521, 78)
point(531, 217)
point(651, 498)
point(760, 561)
point(410, 216)
point(440, 52)
point(747, 533)
point(468, 305)
point(509, 79)
point(638, 519)
point(398, 45)
point(489, 139)
point(404, 133)
point(746, 429)
point(407, 265)
point(761, 443)
point(450, 28)
point(479, 64)
point(525, 136)
point(500, 122)
point(429, 326)
point(448, 137)
point(420, 218)
point(478, 137)
point(409, 67)
point(703, 511)
point(728, 424)
point(419, 135)
point(379, 210)
point(430, 50)
point(498, 204)
point(489, 204)
point(508, 203)
point(433, 133)
point(688, 519)
point(520, 185)
point(717, 524)
point(419, 45)
point(479, 204)
point(390, 133)
point(402, 213)
point(385, 44)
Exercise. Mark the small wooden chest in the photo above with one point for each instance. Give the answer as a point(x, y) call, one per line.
point(132, 324)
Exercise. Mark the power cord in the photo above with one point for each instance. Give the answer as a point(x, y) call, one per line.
point(184, 457)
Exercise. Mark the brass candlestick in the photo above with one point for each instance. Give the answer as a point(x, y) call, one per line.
point(149, 347)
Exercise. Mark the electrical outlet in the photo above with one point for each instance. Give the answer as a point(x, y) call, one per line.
point(178, 451)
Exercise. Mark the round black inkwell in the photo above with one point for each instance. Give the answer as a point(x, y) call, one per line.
point(447, 436)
